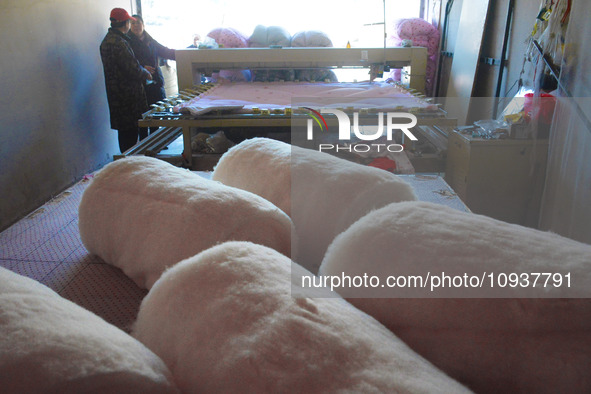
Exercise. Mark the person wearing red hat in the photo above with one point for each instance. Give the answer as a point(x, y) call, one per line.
point(124, 80)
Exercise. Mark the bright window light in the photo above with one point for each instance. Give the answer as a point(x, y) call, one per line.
point(174, 22)
point(361, 24)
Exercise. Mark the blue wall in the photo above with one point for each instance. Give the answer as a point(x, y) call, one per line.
point(54, 119)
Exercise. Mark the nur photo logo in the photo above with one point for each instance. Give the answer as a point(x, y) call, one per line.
point(386, 124)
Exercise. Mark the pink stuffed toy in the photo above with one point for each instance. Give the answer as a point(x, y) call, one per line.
point(422, 34)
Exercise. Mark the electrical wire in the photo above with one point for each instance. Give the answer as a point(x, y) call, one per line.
point(448, 7)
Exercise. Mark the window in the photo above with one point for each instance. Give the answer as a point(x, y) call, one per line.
point(174, 22)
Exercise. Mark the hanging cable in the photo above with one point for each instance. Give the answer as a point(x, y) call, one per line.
point(384, 13)
point(448, 7)
point(504, 54)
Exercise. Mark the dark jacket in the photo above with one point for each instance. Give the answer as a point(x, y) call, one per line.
point(124, 80)
point(148, 52)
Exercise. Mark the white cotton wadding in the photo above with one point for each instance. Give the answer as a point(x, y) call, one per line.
point(323, 194)
point(260, 166)
point(142, 215)
point(507, 343)
point(51, 345)
point(225, 321)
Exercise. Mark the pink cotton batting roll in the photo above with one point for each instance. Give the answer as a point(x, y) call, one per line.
point(143, 215)
point(323, 194)
point(515, 341)
point(225, 321)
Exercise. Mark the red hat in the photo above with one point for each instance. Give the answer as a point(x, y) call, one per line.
point(120, 15)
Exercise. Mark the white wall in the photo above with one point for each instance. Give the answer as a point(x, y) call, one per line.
point(566, 205)
point(54, 119)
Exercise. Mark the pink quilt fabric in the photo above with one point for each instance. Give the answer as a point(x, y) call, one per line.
point(228, 37)
point(422, 34)
point(245, 96)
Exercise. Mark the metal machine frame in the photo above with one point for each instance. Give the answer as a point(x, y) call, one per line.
point(192, 63)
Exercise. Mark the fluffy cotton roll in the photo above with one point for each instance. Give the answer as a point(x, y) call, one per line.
point(51, 345)
point(323, 194)
point(511, 344)
point(261, 166)
point(225, 321)
point(142, 215)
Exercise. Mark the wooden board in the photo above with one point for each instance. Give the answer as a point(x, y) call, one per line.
point(466, 58)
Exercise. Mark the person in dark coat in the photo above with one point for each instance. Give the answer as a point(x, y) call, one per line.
point(149, 52)
point(124, 80)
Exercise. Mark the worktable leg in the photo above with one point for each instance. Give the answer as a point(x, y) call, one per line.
point(187, 151)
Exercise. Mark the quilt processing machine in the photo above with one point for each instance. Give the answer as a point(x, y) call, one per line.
point(269, 106)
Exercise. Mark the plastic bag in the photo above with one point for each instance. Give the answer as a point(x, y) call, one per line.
point(208, 43)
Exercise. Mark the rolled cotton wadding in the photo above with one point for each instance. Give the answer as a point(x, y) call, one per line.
point(508, 344)
point(225, 321)
point(142, 215)
point(261, 166)
point(51, 345)
point(323, 194)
